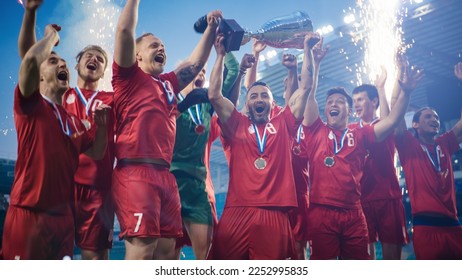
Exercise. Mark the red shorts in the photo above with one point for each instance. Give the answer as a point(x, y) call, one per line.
point(94, 218)
point(437, 243)
point(30, 235)
point(146, 201)
point(337, 233)
point(297, 218)
point(252, 233)
point(386, 221)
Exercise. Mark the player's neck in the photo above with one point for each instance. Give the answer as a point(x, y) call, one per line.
point(427, 138)
point(87, 85)
point(55, 95)
point(368, 119)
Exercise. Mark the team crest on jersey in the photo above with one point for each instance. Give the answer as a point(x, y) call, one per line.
point(70, 99)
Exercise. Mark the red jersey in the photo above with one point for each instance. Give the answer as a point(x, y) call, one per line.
point(275, 111)
point(430, 190)
point(300, 162)
point(49, 143)
point(272, 184)
point(337, 185)
point(379, 180)
point(146, 110)
point(97, 173)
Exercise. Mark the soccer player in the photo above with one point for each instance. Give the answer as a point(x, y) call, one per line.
point(145, 193)
point(337, 224)
point(39, 222)
point(94, 211)
point(381, 197)
point(261, 188)
point(426, 160)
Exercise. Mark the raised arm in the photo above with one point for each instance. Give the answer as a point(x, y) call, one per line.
point(124, 48)
point(232, 72)
point(189, 69)
point(247, 62)
point(291, 83)
point(297, 101)
point(380, 84)
point(401, 66)
point(407, 82)
point(221, 104)
point(251, 77)
point(29, 71)
point(312, 110)
point(457, 129)
point(27, 37)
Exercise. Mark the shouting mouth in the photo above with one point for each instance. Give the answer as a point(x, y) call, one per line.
point(159, 58)
point(63, 76)
point(334, 113)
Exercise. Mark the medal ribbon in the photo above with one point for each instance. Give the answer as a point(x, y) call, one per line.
point(299, 133)
point(437, 163)
point(169, 94)
point(65, 128)
point(336, 149)
point(86, 102)
point(261, 141)
point(197, 121)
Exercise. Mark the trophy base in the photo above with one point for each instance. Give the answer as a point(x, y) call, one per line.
point(233, 34)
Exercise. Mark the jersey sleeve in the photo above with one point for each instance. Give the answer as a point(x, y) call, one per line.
point(449, 140)
point(23, 105)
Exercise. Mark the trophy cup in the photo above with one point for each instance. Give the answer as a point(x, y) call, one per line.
point(281, 32)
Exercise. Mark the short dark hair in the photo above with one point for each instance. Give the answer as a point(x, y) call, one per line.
point(92, 48)
point(342, 91)
point(259, 83)
point(418, 113)
point(371, 90)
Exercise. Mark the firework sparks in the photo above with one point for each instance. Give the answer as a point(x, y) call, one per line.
point(95, 24)
point(379, 29)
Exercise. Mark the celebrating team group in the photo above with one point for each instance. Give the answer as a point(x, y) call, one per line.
point(142, 152)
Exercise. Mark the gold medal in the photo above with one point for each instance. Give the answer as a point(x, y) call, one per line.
point(329, 161)
point(260, 163)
